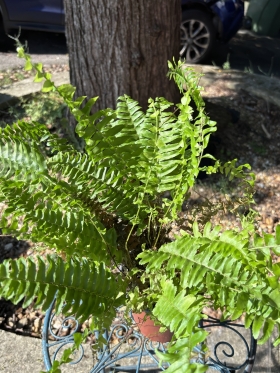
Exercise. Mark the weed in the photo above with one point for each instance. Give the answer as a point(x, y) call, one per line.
point(11, 76)
point(41, 108)
point(226, 65)
point(250, 69)
point(45, 108)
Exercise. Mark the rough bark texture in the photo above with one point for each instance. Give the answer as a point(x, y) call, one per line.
point(122, 46)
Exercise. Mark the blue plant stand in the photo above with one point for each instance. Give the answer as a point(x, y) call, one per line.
point(128, 350)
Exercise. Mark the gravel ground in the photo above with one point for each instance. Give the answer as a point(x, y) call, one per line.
point(17, 74)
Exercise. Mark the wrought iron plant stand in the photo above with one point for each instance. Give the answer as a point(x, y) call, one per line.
point(131, 351)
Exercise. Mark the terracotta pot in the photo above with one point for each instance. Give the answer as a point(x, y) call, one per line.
point(149, 329)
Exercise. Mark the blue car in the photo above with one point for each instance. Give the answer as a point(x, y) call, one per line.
point(43, 15)
point(203, 21)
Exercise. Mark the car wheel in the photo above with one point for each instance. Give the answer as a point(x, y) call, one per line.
point(197, 36)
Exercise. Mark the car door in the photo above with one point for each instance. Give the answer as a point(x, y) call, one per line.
point(35, 11)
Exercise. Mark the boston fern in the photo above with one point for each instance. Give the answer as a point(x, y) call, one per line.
point(107, 210)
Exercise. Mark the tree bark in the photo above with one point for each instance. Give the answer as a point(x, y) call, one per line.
point(121, 47)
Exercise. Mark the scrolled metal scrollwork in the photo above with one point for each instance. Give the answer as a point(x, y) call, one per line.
point(59, 341)
point(123, 342)
point(250, 348)
point(64, 344)
point(126, 349)
point(64, 325)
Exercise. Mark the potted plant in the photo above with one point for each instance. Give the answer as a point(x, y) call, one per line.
point(107, 212)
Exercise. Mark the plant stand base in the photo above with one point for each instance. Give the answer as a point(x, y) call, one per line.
point(128, 350)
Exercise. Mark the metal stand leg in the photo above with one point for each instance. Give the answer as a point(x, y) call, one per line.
point(128, 350)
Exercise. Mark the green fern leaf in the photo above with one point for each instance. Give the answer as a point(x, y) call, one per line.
point(86, 288)
point(172, 308)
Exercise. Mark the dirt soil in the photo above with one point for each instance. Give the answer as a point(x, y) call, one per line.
point(248, 129)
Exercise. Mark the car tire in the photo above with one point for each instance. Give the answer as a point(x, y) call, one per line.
point(197, 36)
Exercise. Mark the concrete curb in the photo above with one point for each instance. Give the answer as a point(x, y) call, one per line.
point(24, 355)
point(20, 354)
point(11, 94)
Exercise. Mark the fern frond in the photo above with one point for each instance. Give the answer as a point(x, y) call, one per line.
point(90, 181)
point(44, 205)
point(172, 308)
point(81, 286)
point(63, 224)
point(226, 269)
point(20, 152)
point(180, 313)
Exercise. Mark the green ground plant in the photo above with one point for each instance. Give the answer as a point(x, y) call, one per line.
point(43, 108)
point(226, 65)
point(105, 213)
point(9, 77)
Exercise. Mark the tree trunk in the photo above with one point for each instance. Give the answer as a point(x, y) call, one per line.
point(121, 47)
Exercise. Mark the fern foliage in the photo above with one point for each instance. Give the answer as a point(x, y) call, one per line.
point(107, 211)
point(84, 286)
point(233, 274)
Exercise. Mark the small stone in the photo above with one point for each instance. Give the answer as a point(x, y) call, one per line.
point(33, 316)
point(56, 325)
point(2, 319)
point(8, 246)
point(20, 316)
point(11, 322)
point(22, 323)
point(37, 324)
point(64, 332)
point(269, 221)
point(73, 324)
point(114, 341)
